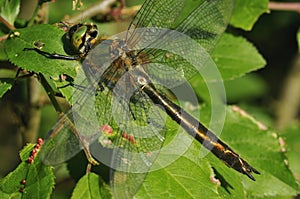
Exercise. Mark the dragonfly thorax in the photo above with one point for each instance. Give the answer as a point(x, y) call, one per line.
point(124, 57)
point(111, 59)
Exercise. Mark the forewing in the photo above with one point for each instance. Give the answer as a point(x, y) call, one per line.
point(62, 144)
point(136, 136)
point(158, 13)
point(74, 130)
point(204, 25)
point(207, 22)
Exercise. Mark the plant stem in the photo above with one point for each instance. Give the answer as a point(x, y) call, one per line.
point(102, 7)
point(288, 6)
point(50, 93)
point(31, 21)
point(32, 110)
point(8, 25)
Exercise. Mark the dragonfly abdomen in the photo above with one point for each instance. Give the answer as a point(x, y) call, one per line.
point(194, 128)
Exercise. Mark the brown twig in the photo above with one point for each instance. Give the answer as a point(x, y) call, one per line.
point(130, 11)
point(4, 37)
point(287, 6)
point(103, 7)
point(8, 25)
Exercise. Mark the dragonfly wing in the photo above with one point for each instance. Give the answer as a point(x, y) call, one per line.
point(132, 133)
point(134, 125)
point(207, 22)
point(73, 129)
point(62, 144)
point(159, 13)
point(125, 185)
point(175, 48)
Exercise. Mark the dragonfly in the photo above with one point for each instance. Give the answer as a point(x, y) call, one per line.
point(123, 103)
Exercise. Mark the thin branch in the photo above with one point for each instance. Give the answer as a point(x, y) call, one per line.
point(50, 93)
point(102, 7)
point(287, 6)
point(131, 11)
point(8, 25)
point(4, 37)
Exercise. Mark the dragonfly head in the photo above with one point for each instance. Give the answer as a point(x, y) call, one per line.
point(83, 37)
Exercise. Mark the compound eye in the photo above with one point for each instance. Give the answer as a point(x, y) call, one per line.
point(72, 30)
point(78, 37)
point(83, 37)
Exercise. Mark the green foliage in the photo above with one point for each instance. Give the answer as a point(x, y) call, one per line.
point(38, 178)
point(47, 37)
point(9, 10)
point(242, 129)
point(91, 186)
point(4, 87)
point(234, 57)
point(177, 180)
point(239, 131)
point(247, 12)
point(235, 89)
point(192, 174)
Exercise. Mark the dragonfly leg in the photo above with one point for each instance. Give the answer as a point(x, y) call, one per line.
point(54, 55)
point(82, 141)
point(86, 150)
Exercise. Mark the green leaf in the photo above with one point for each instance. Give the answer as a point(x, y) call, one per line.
point(191, 176)
point(260, 146)
point(65, 89)
point(9, 10)
point(46, 37)
point(91, 186)
point(182, 179)
point(3, 56)
point(4, 87)
point(235, 89)
point(234, 57)
point(246, 12)
point(38, 178)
